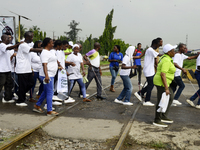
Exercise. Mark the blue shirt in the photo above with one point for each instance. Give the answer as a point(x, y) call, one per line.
point(138, 61)
point(115, 56)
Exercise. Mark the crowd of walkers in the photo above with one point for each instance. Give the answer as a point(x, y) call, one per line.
point(22, 64)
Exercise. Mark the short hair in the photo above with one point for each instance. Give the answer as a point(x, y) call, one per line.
point(3, 37)
point(139, 44)
point(36, 44)
point(155, 42)
point(58, 43)
point(118, 47)
point(46, 42)
point(181, 45)
point(96, 45)
point(159, 39)
point(27, 34)
point(65, 42)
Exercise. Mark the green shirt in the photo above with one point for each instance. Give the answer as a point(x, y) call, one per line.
point(67, 51)
point(166, 66)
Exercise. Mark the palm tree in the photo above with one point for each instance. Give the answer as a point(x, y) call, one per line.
point(22, 30)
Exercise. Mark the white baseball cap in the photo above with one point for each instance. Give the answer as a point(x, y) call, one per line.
point(168, 47)
point(75, 45)
point(71, 43)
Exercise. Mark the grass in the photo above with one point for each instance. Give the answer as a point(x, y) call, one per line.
point(189, 64)
point(104, 62)
point(106, 74)
point(157, 145)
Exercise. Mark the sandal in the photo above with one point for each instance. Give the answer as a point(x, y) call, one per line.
point(86, 100)
point(52, 113)
point(37, 109)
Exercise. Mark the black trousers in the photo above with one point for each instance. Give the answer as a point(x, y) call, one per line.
point(6, 81)
point(26, 82)
point(139, 70)
point(160, 90)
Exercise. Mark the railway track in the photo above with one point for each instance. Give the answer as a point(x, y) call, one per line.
point(118, 146)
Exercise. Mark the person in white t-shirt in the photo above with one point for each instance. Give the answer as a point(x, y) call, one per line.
point(36, 65)
point(23, 68)
point(178, 62)
point(47, 72)
point(124, 74)
point(197, 94)
point(5, 69)
point(77, 59)
point(149, 72)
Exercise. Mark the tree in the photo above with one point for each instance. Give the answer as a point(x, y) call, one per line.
point(106, 40)
point(122, 44)
point(63, 37)
point(22, 31)
point(38, 35)
point(34, 28)
point(73, 33)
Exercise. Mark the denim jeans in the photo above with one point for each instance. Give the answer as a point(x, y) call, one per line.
point(114, 75)
point(197, 94)
point(148, 88)
point(81, 84)
point(127, 90)
point(47, 93)
point(181, 85)
point(36, 76)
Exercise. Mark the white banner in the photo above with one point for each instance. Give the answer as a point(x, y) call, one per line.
point(7, 24)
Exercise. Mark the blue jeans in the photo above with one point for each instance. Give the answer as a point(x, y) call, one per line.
point(114, 75)
point(148, 88)
point(36, 76)
point(197, 76)
point(127, 90)
point(181, 85)
point(81, 84)
point(47, 93)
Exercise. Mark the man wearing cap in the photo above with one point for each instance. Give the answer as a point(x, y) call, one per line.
point(162, 80)
point(178, 62)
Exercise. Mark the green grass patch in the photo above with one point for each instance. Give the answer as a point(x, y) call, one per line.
point(189, 64)
point(106, 74)
point(157, 145)
point(104, 62)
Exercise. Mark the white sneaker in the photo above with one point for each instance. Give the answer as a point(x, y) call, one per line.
point(21, 104)
point(71, 98)
point(138, 96)
point(55, 98)
point(141, 84)
point(173, 104)
point(56, 103)
point(81, 96)
point(118, 101)
point(127, 103)
point(198, 106)
point(69, 101)
point(15, 98)
point(9, 101)
point(177, 102)
point(148, 103)
point(45, 107)
point(190, 102)
point(15, 95)
point(27, 94)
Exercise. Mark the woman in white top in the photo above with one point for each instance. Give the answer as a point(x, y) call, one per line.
point(124, 74)
point(47, 73)
point(74, 70)
point(36, 65)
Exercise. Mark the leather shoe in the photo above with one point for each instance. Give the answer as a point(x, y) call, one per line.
point(100, 97)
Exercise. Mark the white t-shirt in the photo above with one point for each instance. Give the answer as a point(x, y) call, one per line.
point(36, 64)
point(126, 72)
point(61, 57)
point(23, 64)
point(198, 63)
point(178, 58)
point(77, 59)
point(149, 61)
point(94, 58)
point(11, 52)
point(52, 64)
point(5, 63)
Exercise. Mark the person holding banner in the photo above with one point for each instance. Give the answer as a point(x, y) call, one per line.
point(47, 72)
point(74, 70)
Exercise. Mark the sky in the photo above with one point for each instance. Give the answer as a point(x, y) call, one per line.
point(136, 20)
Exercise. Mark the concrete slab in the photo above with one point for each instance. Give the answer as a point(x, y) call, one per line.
point(80, 128)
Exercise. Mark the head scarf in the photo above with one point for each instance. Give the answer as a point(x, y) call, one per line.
point(129, 52)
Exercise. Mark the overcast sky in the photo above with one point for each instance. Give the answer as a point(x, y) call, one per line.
point(136, 20)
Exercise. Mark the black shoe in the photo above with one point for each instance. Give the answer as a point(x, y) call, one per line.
point(100, 97)
point(166, 120)
point(160, 124)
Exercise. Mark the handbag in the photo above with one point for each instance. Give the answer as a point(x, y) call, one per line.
point(131, 73)
point(116, 68)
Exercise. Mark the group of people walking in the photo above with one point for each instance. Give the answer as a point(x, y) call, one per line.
point(21, 65)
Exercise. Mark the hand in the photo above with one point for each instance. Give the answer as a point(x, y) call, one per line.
point(60, 68)
point(133, 67)
point(114, 60)
point(73, 64)
point(100, 73)
point(14, 54)
point(167, 91)
point(83, 73)
point(46, 79)
point(184, 71)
